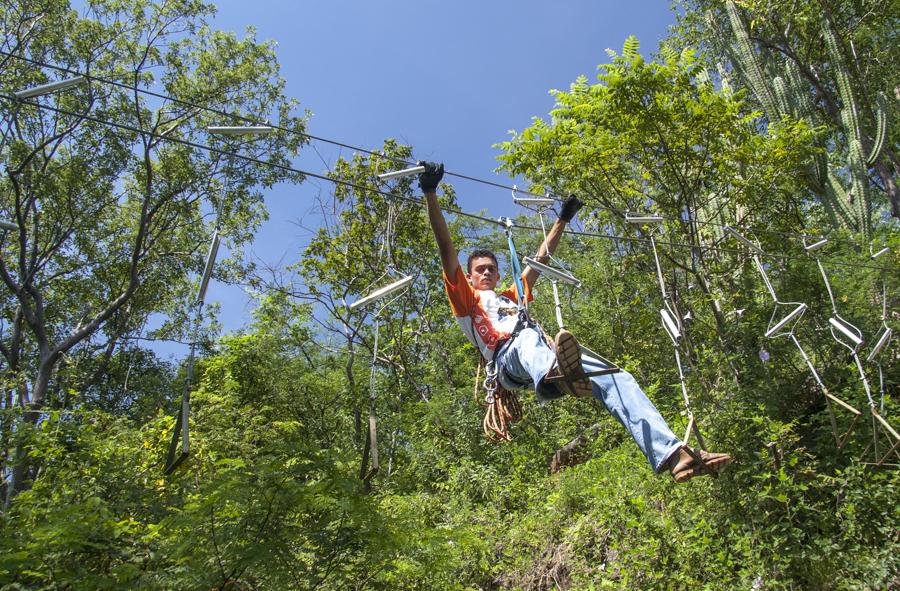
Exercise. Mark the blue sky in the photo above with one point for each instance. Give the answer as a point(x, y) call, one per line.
point(449, 78)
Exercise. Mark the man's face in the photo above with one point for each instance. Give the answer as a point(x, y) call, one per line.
point(484, 274)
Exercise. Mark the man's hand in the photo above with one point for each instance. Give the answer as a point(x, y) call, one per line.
point(428, 180)
point(570, 208)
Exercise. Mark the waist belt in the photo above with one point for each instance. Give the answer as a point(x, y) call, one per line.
point(524, 321)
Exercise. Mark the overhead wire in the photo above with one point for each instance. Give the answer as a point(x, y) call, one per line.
point(359, 187)
point(374, 153)
point(250, 120)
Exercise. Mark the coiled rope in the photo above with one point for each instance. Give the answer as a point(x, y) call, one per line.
point(502, 407)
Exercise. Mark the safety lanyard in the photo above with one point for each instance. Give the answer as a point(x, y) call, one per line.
point(516, 266)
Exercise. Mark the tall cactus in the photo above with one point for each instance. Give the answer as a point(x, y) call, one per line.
point(859, 183)
point(788, 95)
point(782, 102)
point(881, 123)
point(747, 62)
point(802, 107)
point(849, 113)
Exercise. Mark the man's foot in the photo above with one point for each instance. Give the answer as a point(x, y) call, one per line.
point(683, 466)
point(568, 366)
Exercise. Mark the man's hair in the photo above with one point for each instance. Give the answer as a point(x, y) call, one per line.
point(480, 253)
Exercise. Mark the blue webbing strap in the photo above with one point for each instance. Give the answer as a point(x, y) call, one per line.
point(516, 268)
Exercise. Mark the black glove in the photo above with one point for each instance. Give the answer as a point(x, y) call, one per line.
point(570, 208)
point(428, 180)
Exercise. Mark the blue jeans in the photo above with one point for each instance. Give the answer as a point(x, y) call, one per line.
point(524, 361)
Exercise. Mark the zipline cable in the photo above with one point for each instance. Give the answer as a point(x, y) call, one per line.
point(310, 136)
point(245, 119)
point(286, 168)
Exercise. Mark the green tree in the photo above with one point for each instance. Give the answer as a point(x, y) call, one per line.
point(109, 199)
point(655, 136)
point(659, 136)
point(829, 63)
point(367, 233)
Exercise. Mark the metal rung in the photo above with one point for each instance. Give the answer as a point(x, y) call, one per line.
point(533, 201)
point(883, 339)
point(745, 241)
point(670, 325)
point(380, 293)
point(36, 91)
point(847, 329)
point(886, 425)
point(794, 313)
point(559, 274)
point(401, 173)
point(180, 435)
point(208, 268)
point(613, 368)
point(637, 218)
point(602, 372)
point(846, 406)
point(585, 375)
point(816, 245)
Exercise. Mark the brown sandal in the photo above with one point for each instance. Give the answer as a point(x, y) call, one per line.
point(685, 465)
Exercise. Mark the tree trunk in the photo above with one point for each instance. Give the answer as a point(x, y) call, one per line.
point(21, 463)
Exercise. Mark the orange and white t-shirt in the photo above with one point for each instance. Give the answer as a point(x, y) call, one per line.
point(484, 316)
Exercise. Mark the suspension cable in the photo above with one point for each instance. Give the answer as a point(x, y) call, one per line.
point(414, 200)
point(310, 136)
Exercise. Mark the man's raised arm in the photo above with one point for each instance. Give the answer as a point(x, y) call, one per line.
point(569, 209)
point(428, 182)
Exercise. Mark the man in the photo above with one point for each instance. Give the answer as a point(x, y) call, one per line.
point(524, 359)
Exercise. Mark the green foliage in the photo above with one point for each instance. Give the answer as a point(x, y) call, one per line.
point(110, 209)
point(271, 496)
point(827, 65)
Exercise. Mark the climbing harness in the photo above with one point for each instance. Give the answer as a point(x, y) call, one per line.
point(516, 267)
point(671, 321)
point(850, 337)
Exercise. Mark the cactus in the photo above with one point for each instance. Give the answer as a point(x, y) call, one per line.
point(789, 95)
point(703, 77)
point(837, 201)
point(819, 170)
point(801, 105)
point(726, 80)
point(849, 113)
point(881, 123)
point(859, 185)
point(781, 96)
point(747, 60)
